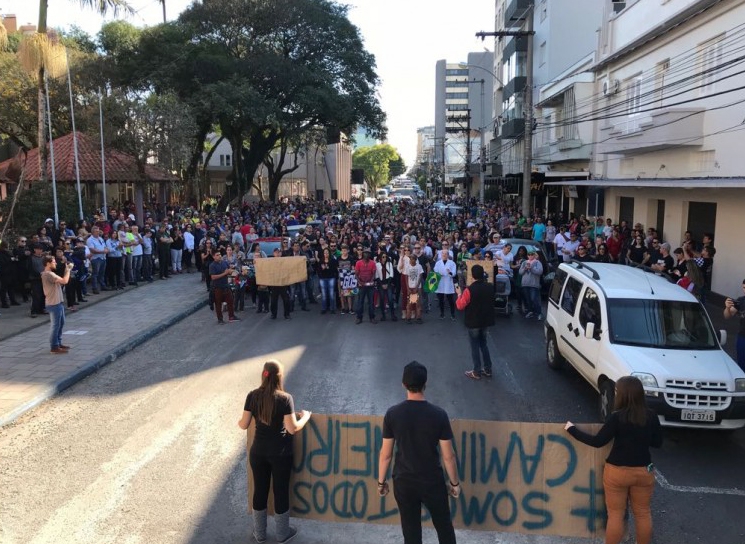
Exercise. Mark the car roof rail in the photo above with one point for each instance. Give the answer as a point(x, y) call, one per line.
point(581, 264)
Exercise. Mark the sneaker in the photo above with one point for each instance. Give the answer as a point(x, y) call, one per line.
point(473, 375)
point(540, 317)
point(442, 317)
point(486, 373)
point(529, 315)
point(58, 351)
point(66, 348)
point(233, 319)
point(452, 318)
point(343, 312)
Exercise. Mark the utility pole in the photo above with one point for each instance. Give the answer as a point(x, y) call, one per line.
point(528, 113)
point(528, 107)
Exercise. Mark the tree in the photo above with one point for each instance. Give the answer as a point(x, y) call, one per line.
point(375, 161)
point(288, 67)
point(397, 167)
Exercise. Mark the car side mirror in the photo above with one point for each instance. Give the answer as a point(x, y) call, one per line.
point(722, 336)
point(590, 330)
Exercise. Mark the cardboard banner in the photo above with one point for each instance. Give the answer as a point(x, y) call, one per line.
point(281, 271)
point(488, 268)
point(530, 478)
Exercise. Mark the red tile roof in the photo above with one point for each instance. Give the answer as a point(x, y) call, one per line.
point(120, 167)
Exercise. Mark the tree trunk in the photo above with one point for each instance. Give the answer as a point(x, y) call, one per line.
point(139, 208)
point(41, 135)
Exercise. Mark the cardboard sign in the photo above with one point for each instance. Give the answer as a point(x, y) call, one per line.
point(281, 271)
point(530, 478)
point(488, 268)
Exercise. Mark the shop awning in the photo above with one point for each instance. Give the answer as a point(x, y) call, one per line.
point(680, 183)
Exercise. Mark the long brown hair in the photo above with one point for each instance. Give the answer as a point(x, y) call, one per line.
point(630, 400)
point(269, 390)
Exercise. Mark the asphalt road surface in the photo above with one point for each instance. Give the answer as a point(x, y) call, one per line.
point(148, 451)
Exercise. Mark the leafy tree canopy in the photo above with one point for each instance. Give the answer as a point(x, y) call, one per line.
point(376, 162)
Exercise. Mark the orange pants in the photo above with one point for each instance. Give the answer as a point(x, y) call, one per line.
point(620, 484)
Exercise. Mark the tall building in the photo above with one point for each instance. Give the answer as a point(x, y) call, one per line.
point(563, 45)
point(463, 116)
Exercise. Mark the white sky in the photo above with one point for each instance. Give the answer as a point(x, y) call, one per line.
point(407, 37)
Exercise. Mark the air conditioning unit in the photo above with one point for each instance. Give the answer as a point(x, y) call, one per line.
point(611, 86)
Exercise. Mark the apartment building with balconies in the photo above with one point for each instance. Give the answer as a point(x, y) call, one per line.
point(668, 115)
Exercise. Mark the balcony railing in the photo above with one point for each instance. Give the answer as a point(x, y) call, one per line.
point(660, 129)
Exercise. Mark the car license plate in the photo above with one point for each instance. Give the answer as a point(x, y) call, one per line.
point(697, 415)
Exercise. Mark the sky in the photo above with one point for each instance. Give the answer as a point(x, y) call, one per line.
point(407, 38)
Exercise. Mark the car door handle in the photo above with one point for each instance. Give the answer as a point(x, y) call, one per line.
point(569, 326)
point(576, 332)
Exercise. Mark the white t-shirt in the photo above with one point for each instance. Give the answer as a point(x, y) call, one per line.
point(413, 274)
point(188, 241)
point(570, 248)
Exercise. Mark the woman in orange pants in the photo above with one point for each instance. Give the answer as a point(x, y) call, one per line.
point(629, 472)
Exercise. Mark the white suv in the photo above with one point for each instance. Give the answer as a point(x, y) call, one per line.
point(609, 321)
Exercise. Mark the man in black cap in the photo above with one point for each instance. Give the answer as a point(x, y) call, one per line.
point(477, 300)
point(418, 427)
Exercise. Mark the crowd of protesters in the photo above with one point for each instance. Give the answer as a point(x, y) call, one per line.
point(360, 259)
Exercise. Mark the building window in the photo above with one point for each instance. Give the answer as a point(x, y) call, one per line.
point(456, 72)
point(703, 161)
point(542, 54)
point(224, 160)
point(711, 62)
point(661, 78)
point(634, 95)
point(455, 95)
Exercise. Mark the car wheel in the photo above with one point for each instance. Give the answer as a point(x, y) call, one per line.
point(607, 399)
point(553, 356)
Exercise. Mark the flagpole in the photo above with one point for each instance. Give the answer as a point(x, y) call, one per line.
point(51, 153)
point(103, 159)
point(74, 140)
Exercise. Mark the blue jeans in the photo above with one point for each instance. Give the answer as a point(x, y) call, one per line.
point(97, 276)
point(328, 294)
point(57, 321)
point(366, 292)
point(136, 268)
point(386, 295)
point(532, 297)
point(299, 290)
point(477, 338)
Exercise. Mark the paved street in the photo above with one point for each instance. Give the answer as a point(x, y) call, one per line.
point(147, 449)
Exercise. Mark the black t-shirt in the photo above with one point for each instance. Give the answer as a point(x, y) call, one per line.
point(636, 254)
point(219, 268)
point(417, 428)
point(631, 442)
point(668, 262)
point(272, 439)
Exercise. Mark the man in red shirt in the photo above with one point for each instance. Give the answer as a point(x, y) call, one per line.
point(365, 272)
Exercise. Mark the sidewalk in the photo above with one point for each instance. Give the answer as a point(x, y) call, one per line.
point(109, 325)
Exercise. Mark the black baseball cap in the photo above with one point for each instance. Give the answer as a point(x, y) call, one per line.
point(415, 374)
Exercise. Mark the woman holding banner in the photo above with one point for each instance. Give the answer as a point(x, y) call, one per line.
point(628, 472)
point(271, 451)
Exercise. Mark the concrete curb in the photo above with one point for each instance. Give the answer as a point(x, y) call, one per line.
point(102, 360)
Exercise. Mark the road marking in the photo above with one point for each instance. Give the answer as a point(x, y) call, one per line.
point(698, 490)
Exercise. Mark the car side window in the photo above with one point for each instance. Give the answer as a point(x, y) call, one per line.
point(555, 291)
point(589, 312)
point(571, 295)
